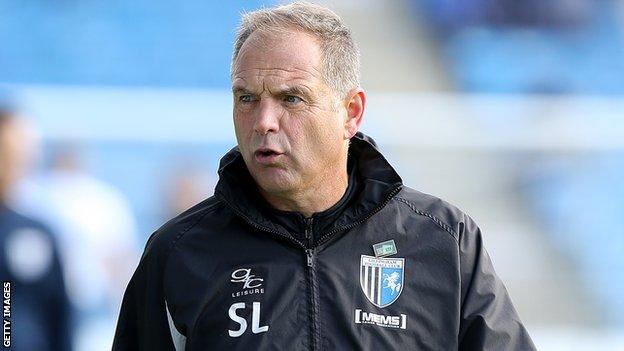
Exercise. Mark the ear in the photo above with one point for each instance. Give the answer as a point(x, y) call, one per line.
point(355, 103)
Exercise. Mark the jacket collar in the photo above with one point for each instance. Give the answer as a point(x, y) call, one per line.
point(376, 183)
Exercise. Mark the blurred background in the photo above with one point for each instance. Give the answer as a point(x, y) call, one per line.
point(512, 110)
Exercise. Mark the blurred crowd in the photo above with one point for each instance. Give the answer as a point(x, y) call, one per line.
point(68, 240)
point(544, 47)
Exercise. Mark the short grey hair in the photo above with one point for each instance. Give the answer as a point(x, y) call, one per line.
point(340, 56)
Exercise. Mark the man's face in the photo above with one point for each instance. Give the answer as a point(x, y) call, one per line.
point(289, 126)
point(17, 145)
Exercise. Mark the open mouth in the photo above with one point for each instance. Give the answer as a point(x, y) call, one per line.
point(266, 155)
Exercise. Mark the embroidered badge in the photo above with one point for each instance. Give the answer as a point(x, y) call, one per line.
point(381, 279)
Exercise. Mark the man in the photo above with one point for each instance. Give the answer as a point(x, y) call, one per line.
point(30, 267)
point(94, 225)
point(311, 241)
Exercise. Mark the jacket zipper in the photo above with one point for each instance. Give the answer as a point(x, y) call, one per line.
point(308, 232)
point(314, 328)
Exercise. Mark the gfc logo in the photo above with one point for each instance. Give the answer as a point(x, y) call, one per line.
point(251, 283)
point(244, 276)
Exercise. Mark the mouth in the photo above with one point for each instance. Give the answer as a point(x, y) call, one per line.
point(266, 155)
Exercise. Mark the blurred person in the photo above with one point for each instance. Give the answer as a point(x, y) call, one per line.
point(29, 256)
point(185, 187)
point(311, 240)
point(96, 230)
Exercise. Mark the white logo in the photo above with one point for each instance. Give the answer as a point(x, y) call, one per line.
point(244, 276)
point(397, 322)
point(251, 283)
point(242, 322)
point(391, 282)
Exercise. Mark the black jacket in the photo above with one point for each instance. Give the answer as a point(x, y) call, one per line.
point(225, 275)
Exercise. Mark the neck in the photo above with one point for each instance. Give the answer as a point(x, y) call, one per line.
point(326, 191)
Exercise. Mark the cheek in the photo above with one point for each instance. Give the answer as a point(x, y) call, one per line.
point(322, 138)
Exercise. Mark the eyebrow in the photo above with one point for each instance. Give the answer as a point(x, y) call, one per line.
point(238, 89)
point(291, 90)
point(295, 90)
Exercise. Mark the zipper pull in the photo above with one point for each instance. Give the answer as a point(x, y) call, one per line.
point(310, 257)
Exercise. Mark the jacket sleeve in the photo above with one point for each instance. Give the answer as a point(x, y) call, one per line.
point(142, 322)
point(489, 320)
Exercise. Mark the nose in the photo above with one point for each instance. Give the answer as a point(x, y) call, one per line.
point(267, 118)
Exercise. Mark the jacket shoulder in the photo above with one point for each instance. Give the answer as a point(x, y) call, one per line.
point(165, 237)
point(444, 214)
point(143, 322)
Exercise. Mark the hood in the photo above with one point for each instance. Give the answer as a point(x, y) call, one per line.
point(377, 183)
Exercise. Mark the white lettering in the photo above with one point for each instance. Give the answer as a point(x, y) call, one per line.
point(6, 342)
point(248, 292)
point(6, 314)
point(241, 321)
point(362, 317)
point(255, 320)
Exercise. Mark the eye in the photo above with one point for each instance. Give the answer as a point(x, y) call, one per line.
point(245, 98)
point(292, 99)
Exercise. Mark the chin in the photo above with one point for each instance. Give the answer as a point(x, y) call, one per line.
point(275, 184)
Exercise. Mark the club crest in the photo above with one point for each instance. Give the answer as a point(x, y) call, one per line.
point(381, 279)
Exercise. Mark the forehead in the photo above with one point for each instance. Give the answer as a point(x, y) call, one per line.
point(277, 56)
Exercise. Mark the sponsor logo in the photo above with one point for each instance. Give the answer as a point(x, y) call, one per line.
point(396, 322)
point(251, 284)
point(381, 279)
